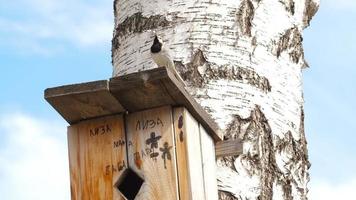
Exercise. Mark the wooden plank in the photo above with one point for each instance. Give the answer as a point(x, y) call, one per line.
point(119, 155)
point(155, 88)
point(83, 101)
point(151, 152)
point(141, 91)
point(228, 148)
point(96, 158)
point(74, 164)
point(209, 165)
point(76, 88)
point(189, 160)
point(133, 92)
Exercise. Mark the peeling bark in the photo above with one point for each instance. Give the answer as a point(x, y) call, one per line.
point(260, 156)
point(295, 163)
point(311, 7)
point(137, 23)
point(226, 196)
point(200, 72)
point(289, 5)
point(287, 190)
point(245, 16)
point(291, 41)
point(303, 140)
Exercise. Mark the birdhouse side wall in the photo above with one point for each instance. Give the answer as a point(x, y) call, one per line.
point(209, 165)
point(189, 162)
point(195, 158)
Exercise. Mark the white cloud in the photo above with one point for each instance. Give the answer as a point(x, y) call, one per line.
point(33, 159)
point(49, 23)
point(325, 190)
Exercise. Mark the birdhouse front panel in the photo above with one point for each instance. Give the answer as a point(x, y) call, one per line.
point(151, 152)
point(97, 157)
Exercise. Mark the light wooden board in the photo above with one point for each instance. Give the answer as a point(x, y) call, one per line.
point(151, 152)
point(209, 165)
point(83, 101)
point(228, 148)
point(159, 87)
point(189, 160)
point(97, 156)
point(133, 92)
point(74, 163)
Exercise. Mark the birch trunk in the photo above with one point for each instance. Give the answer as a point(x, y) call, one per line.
point(242, 60)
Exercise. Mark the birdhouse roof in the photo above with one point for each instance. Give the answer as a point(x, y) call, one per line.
point(129, 93)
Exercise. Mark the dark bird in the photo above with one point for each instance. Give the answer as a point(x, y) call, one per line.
point(161, 56)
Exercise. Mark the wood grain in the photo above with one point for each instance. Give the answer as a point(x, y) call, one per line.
point(133, 92)
point(149, 135)
point(228, 148)
point(209, 165)
point(94, 158)
point(155, 88)
point(83, 101)
point(189, 155)
point(74, 162)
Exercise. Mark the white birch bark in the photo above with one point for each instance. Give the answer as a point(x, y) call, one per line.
point(242, 60)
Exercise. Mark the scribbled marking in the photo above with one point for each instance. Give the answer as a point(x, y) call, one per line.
point(112, 168)
point(166, 154)
point(119, 143)
point(148, 124)
point(100, 130)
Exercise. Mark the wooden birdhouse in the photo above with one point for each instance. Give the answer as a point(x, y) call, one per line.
point(139, 136)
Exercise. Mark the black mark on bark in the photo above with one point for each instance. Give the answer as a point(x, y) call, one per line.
point(287, 190)
point(295, 170)
point(245, 16)
point(289, 5)
point(291, 41)
point(309, 11)
point(136, 23)
point(223, 195)
point(260, 159)
point(199, 72)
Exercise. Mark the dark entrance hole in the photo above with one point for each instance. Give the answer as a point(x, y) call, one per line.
point(129, 184)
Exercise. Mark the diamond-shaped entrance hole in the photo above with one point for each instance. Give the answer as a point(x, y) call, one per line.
point(129, 184)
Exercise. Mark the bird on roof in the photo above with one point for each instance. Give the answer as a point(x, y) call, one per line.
point(161, 56)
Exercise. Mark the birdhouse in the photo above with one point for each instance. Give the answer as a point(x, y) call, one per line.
point(139, 136)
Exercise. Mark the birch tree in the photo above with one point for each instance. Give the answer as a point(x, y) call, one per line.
point(242, 60)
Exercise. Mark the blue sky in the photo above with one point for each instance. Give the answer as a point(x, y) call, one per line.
point(45, 43)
